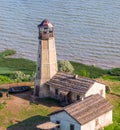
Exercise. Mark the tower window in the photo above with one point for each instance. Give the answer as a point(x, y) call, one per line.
point(56, 91)
point(78, 97)
point(38, 68)
point(58, 122)
point(72, 127)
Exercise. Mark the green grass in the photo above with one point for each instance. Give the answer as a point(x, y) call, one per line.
point(38, 113)
point(25, 116)
point(11, 64)
point(8, 65)
point(88, 70)
point(115, 100)
point(93, 72)
point(5, 79)
point(111, 78)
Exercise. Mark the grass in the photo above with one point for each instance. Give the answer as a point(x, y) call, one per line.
point(111, 78)
point(88, 70)
point(114, 98)
point(22, 117)
point(8, 65)
point(37, 113)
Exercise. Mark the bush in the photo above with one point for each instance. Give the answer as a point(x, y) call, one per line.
point(84, 73)
point(114, 72)
point(65, 66)
point(8, 52)
point(20, 76)
point(5, 79)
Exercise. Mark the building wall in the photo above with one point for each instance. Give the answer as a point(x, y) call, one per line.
point(48, 63)
point(65, 121)
point(62, 97)
point(46, 66)
point(97, 88)
point(103, 121)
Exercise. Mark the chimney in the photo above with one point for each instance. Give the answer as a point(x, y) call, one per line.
point(75, 76)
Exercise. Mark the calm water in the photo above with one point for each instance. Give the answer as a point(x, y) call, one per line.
point(86, 31)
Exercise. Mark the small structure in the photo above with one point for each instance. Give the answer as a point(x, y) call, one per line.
point(93, 113)
point(47, 126)
point(18, 89)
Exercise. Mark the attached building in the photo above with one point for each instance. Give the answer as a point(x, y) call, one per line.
point(68, 87)
point(93, 113)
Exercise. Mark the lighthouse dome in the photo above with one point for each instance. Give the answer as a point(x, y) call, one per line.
point(45, 29)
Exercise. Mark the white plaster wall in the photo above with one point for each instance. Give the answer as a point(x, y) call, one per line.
point(89, 126)
point(53, 95)
point(103, 120)
point(95, 89)
point(65, 121)
point(46, 65)
point(106, 119)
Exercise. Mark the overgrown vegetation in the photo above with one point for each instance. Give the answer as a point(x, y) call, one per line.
point(96, 72)
point(8, 65)
point(88, 70)
point(65, 66)
point(18, 69)
point(15, 69)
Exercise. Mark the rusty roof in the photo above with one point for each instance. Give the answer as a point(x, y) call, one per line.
point(88, 109)
point(45, 23)
point(69, 82)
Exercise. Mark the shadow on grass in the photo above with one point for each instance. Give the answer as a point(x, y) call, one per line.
point(28, 96)
point(115, 94)
point(29, 124)
point(3, 89)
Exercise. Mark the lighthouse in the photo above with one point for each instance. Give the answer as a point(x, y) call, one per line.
point(46, 58)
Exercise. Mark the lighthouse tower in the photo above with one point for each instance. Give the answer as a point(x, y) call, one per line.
point(46, 59)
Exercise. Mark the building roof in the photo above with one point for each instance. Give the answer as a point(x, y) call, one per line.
point(47, 125)
point(45, 23)
point(70, 82)
point(88, 109)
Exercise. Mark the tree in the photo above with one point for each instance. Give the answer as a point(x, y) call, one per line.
point(65, 66)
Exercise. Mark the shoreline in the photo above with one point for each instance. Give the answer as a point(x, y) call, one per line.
point(17, 56)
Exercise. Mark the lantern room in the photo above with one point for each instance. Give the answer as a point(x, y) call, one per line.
point(45, 30)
